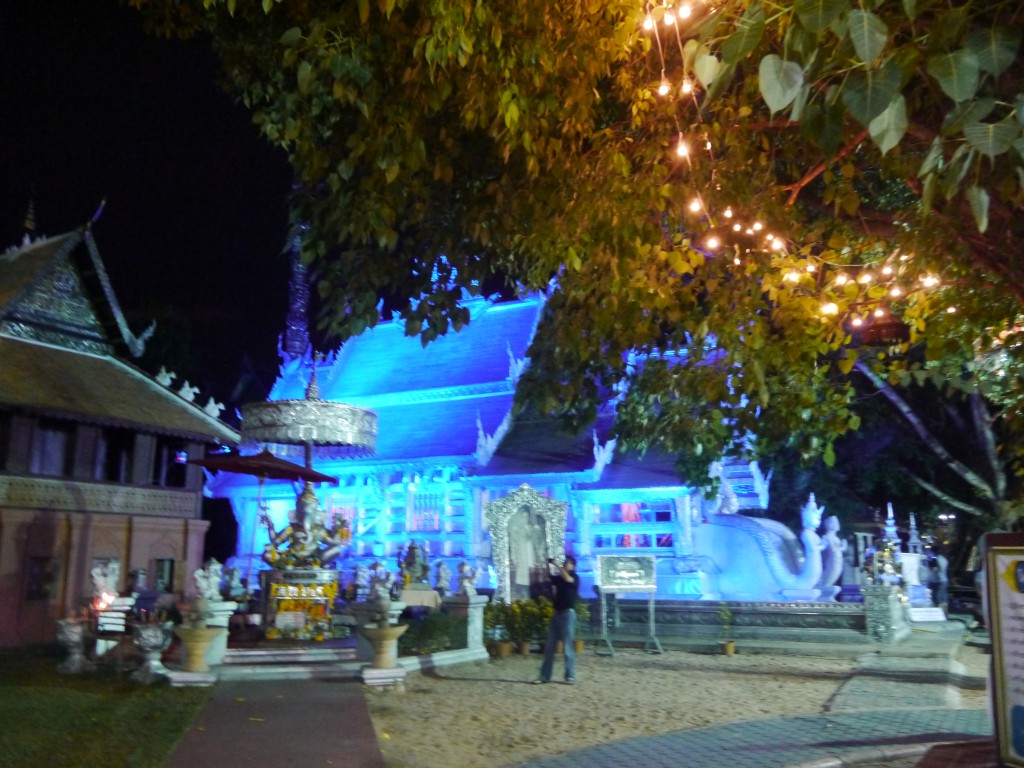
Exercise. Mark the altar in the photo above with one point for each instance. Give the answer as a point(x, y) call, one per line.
point(300, 602)
point(429, 598)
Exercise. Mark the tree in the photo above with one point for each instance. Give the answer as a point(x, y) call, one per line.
point(712, 195)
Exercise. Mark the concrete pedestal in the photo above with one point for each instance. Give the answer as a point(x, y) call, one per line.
point(471, 608)
point(886, 620)
point(219, 615)
point(197, 642)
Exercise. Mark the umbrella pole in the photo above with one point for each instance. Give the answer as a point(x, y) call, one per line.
point(252, 543)
point(308, 452)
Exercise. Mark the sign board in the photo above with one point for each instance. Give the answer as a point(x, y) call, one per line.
point(626, 573)
point(1005, 586)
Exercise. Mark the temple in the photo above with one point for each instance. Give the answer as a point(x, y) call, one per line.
point(449, 446)
point(92, 450)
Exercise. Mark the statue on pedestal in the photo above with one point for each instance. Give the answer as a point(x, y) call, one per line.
point(467, 579)
point(305, 542)
point(443, 578)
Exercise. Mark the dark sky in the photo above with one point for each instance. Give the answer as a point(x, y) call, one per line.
point(195, 218)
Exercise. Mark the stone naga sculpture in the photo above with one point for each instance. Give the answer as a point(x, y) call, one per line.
point(760, 559)
point(833, 553)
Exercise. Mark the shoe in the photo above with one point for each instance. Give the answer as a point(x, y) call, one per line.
point(570, 681)
point(539, 682)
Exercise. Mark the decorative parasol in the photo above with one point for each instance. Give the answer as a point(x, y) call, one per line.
point(311, 425)
point(264, 465)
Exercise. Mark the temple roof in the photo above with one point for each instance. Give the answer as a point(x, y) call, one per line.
point(59, 327)
point(384, 361)
point(102, 390)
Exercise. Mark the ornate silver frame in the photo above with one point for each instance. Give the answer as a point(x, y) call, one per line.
point(500, 511)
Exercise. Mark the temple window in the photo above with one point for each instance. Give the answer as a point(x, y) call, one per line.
point(115, 449)
point(169, 463)
point(53, 448)
point(425, 512)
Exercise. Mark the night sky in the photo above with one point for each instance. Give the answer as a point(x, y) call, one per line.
point(195, 218)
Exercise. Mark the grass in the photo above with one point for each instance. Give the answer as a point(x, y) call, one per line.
point(96, 719)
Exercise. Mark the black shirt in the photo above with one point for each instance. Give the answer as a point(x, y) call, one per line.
point(566, 592)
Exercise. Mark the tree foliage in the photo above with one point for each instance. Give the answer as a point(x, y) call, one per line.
point(442, 147)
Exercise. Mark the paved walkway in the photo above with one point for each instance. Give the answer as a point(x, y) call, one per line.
point(310, 722)
point(821, 741)
point(281, 723)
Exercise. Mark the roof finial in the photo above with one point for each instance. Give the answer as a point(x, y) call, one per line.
point(99, 211)
point(30, 216)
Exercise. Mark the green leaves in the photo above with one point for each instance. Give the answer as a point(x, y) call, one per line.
point(992, 138)
point(706, 66)
point(995, 48)
point(868, 33)
point(956, 73)
point(888, 128)
point(817, 15)
point(779, 81)
point(747, 35)
point(869, 93)
point(978, 199)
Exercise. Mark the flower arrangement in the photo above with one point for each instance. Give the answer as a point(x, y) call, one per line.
point(495, 621)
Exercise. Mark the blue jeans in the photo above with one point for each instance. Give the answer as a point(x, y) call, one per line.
point(561, 627)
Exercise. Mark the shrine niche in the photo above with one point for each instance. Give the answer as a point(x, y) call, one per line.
point(526, 528)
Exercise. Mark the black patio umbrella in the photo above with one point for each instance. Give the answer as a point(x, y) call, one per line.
point(263, 465)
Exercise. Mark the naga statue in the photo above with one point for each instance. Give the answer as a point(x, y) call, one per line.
point(761, 559)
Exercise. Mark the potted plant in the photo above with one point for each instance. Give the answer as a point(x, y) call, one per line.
point(522, 623)
point(725, 619)
point(496, 629)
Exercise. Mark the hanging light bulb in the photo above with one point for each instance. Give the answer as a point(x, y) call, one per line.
point(728, 213)
point(951, 310)
point(681, 148)
point(695, 205)
point(856, 322)
point(712, 243)
point(811, 268)
point(930, 281)
point(686, 88)
point(830, 309)
point(736, 260)
point(669, 18)
point(648, 22)
point(664, 88)
point(758, 226)
point(895, 291)
point(737, 227)
point(685, 10)
point(778, 244)
point(792, 276)
point(886, 270)
point(865, 278)
point(841, 279)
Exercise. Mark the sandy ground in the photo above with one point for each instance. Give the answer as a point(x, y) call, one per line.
point(488, 714)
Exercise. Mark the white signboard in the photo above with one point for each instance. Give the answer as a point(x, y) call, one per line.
point(1005, 581)
point(626, 573)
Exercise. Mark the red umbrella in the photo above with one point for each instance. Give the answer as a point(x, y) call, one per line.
point(263, 465)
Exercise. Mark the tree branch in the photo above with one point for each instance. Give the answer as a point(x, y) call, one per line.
point(819, 169)
point(945, 498)
point(983, 429)
point(971, 477)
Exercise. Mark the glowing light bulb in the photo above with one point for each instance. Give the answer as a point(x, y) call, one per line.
point(736, 260)
point(712, 242)
point(648, 22)
point(684, 11)
point(737, 227)
point(951, 310)
point(778, 244)
point(930, 281)
point(886, 270)
point(728, 213)
point(708, 146)
point(664, 88)
point(687, 87)
point(681, 149)
point(856, 322)
point(695, 205)
point(896, 291)
point(670, 18)
point(758, 226)
point(749, 231)
point(865, 278)
point(841, 279)
point(791, 276)
point(879, 312)
point(811, 268)
point(830, 309)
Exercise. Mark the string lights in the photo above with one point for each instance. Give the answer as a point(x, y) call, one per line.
point(864, 291)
